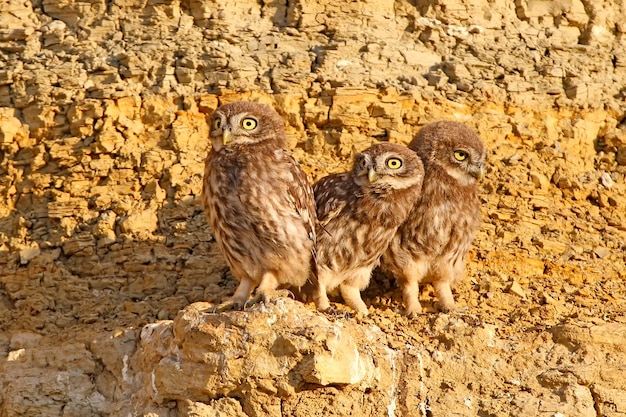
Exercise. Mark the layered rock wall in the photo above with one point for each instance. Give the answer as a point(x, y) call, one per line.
point(102, 142)
point(103, 102)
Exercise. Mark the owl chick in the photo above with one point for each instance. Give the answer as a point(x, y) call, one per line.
point(258, 201)
point(432, 244)
point(359, 213)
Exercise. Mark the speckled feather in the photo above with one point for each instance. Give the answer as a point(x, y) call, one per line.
point(431, 246)
point(358, 219)
point(260, 204)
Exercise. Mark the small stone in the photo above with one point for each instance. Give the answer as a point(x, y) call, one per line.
point(82, 243)
point(606, 180)
point(539, 180)
point(25, 340)
point(500, 215)
point(540, 202)
point(548, 299)
point(141, 223)
point(601, 252)
point(550, 246)
point(220, 407)
point(140, 308)
point(16, 355)
point(513, 159)
point(517, 289)
point(342, 364)
point(106, 241)
point(26, 255)
point(621, 155)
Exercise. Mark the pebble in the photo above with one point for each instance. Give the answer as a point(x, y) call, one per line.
point(601, 252)
point(606, 180)
point(517, 289)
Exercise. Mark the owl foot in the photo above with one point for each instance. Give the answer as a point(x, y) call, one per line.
point(443, 308)
point(414, 314)
point(413, 310)
point(337, 313)
point(352, 297)
point(268, 296)
point(229, 306)
point(449, 309)
point(282, 293)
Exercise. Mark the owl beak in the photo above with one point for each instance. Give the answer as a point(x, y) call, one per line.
point(227, 136)
point(372, 175)
point(479, 173)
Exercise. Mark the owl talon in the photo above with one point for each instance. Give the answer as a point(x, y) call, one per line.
point(267, 296)
point(446, 309)
point(337, 313)
point(271, 295)
point(414, 314)
point(228, 306)
point(211, 309)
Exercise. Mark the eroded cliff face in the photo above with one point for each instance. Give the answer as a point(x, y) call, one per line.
point(104, 247)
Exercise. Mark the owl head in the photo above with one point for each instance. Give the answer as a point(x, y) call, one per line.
point(387, 166)
point(452, 146)
point(244, 123)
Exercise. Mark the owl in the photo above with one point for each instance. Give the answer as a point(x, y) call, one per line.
point(432, 244)
point(258, 201)
point(359, 212)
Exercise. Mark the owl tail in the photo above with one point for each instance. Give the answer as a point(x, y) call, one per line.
point(306, 292)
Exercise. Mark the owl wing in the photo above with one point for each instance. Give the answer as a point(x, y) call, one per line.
point(330, 197)
point(301, 196)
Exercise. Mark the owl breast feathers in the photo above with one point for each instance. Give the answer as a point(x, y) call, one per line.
point(258, 201)
point(359, 212)
point(432, 244)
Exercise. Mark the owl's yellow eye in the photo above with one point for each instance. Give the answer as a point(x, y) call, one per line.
point(363, 163)
point(217, 123)
point(248, 123)
point(460, 155)
point(394, 163)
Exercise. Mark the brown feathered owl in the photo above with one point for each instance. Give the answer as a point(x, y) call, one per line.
point(432, 244)
point(359, 212)
point(259, 202)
